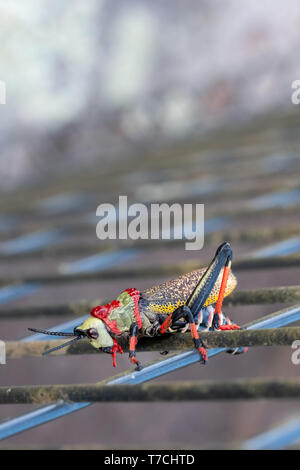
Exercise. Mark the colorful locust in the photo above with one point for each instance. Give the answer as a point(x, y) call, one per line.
point(173, 307)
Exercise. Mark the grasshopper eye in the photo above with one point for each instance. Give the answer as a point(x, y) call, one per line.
point(92, 333)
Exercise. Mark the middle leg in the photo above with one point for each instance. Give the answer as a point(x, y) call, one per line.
point(186, 313)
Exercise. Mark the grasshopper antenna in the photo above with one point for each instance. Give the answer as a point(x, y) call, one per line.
point(53, 333)
point(63, 345)
point(75, 337)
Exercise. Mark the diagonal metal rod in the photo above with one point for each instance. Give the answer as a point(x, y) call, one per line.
point(158, 369)
point(275, 439)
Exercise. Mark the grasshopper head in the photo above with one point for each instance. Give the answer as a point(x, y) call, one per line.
point(95, 330)
point(104, 325)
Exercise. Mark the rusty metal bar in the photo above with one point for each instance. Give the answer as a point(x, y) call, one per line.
point(58, 409)
point(151, 271)
point(266, 234)
point(271, 295)
point(241, 389)
point(212, 339)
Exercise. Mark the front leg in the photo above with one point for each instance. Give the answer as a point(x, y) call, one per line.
point(186, 313)
point(134, 329)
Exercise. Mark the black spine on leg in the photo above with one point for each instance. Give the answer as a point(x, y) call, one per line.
point(134, 329)
point(133, 332)
point(185, 312)
point(182, 312)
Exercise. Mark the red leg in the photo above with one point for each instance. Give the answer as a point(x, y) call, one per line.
point(218, 309)
point(186, 313)
point(115, 348)
point(198, 342)
point(166, 324)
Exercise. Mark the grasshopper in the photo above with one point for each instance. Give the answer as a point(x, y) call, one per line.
point(172, 307)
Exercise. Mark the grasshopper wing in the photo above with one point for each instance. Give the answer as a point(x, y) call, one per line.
point(166, 297)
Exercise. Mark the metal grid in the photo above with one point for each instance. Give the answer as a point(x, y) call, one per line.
point(245, 206)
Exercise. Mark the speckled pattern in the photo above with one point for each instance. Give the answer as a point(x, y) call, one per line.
point(166, 297)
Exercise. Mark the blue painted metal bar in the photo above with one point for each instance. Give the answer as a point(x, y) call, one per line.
point(279, 199)
point(31, 242)
point(56, 410)
point(100, 261)
point(168, 190)
point(283, 248)
point(201, 187)
point(92, 263)
point(23, 244)
point(62, 203)
point(275, 439)
point(277, 163)
point(9, 293)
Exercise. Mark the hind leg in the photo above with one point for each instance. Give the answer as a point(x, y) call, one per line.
point(196, 301)
point(218, 323)
point(221, 326)
point(231, 326)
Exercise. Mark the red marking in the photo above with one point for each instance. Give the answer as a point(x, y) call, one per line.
point(233, 326)
point(135, 294)
point(222, 290)
point(116, 348)
point(132, 343)
point(194, 331)
point(166, 324)
point(103, 311)
point(203, 353)
point(134, 360)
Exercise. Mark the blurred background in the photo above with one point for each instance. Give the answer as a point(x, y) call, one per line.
point(161, 101)
point(91, 81)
